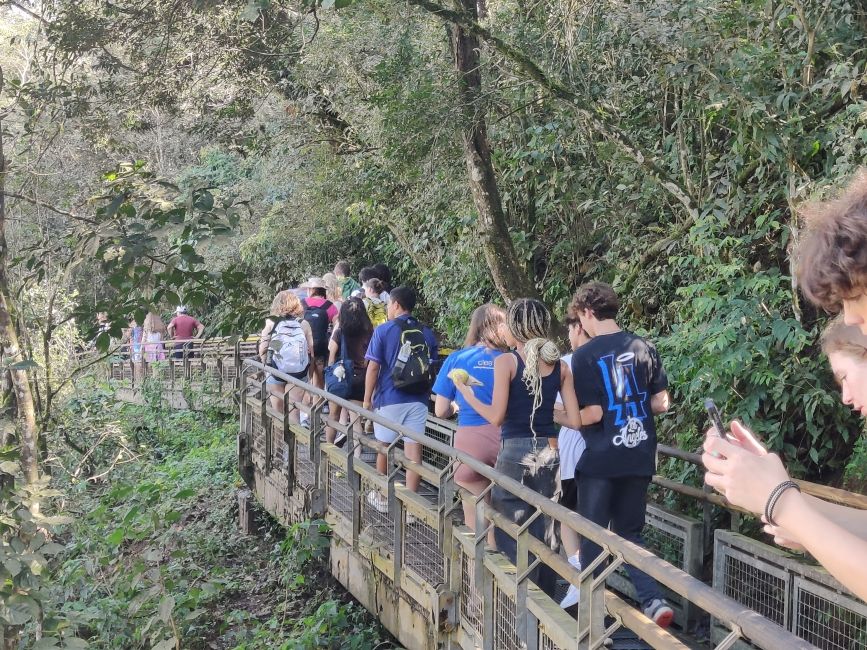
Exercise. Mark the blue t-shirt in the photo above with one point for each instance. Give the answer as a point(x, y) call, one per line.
point(478, 361)
point(383, 349)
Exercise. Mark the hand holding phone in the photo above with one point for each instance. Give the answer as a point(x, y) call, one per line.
point(716, 421)
point(715, 417)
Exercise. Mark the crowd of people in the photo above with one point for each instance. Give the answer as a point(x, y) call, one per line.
point(579, 429)
point(153, 340)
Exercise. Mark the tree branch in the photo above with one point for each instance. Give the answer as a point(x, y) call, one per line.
point(48, 206)
point(558, 90)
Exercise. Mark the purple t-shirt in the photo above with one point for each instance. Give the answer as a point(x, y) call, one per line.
point(383, 349)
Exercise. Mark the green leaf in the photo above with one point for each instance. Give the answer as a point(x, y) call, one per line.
point(13, 566)
point(186, 493)
point(116, 537)
point(167, 604)
point(19, 609)
point(75, 643)
point(166, 644)
point(46, 643)
point(814, 454)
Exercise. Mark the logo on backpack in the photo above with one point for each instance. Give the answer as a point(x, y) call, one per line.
point(287, 349)
point(411, 372)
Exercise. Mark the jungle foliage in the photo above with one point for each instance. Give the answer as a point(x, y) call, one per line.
point(482, 149)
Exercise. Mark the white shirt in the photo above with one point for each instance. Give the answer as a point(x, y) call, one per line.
point(570, 442)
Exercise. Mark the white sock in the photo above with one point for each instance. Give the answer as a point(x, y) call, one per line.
point(575, 560)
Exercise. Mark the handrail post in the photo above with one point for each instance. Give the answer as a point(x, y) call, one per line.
point(289, 442)
point(523, 569)
point(317, 428)
point(591, 605)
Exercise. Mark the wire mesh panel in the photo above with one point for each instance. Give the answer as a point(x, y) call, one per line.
point(505, 628)
point(438, 430)
point(421, 551)
point(279, 448)
point(305, 470)
point(828, 619)
point(376, 526)
point(230, 371)
point(338, 490)
point(546, 643)
point(257, 433)
point(471, 597)
point(664, 539)
point(759, 587)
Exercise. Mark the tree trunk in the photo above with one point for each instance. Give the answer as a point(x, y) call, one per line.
point(27, 431)
point(509, 277)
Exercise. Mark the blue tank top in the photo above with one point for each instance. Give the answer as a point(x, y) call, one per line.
point(520, 406)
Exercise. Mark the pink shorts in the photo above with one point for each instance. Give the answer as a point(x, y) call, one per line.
point(482, 443)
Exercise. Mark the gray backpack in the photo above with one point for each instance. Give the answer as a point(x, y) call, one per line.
point(287, 350)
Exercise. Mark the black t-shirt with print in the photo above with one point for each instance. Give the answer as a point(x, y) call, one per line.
point(619, 372)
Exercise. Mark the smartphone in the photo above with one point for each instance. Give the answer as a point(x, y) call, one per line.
point(715, 418)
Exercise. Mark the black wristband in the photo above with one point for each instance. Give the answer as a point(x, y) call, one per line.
point(774, 497)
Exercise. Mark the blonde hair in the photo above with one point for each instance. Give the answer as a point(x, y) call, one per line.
point(332, 287)
point(286, 303)
point(848, 339)
point(153, 323)
point(529, 321)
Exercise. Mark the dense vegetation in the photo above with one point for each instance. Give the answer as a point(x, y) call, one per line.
point(158, 151)
point(149, 555)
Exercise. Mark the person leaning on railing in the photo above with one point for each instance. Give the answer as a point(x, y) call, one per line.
point(832, 273)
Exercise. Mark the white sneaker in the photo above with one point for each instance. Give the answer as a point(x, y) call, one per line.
point(574, 594)
point(305, 420)
point(377, 501)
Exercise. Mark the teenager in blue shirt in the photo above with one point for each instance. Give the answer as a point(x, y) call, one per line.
point(407, 409)
point(475, 435)
point(621, 385)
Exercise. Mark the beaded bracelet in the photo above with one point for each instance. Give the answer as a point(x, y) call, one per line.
point(774, 497)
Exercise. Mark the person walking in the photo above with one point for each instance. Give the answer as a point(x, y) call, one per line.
point(319, 312)
point(571, 444)
point(351, 337)
point(182, 329)
point(348, 284)
point(621, 385)
point(286, 343)
point(153, 334)
point(397, 382)
point(526, 383)
point(485, 341)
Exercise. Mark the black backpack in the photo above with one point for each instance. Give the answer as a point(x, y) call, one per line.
point(412, 373)
point(318, 319)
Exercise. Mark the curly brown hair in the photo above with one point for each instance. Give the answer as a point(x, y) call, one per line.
point(848, 339)
point(832, 255)
point(598, 297)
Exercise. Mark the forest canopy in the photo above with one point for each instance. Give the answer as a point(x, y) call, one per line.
point(165, 151)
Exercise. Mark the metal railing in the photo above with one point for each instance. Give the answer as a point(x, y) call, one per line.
point(296, 475)
point(471, 594)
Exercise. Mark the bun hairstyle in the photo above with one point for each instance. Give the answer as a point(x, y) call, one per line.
point(529, 322)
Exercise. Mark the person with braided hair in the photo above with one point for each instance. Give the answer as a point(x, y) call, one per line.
point(621, 385)
point(526, 383)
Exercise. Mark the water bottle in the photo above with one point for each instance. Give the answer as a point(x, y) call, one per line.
point(405, 350)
